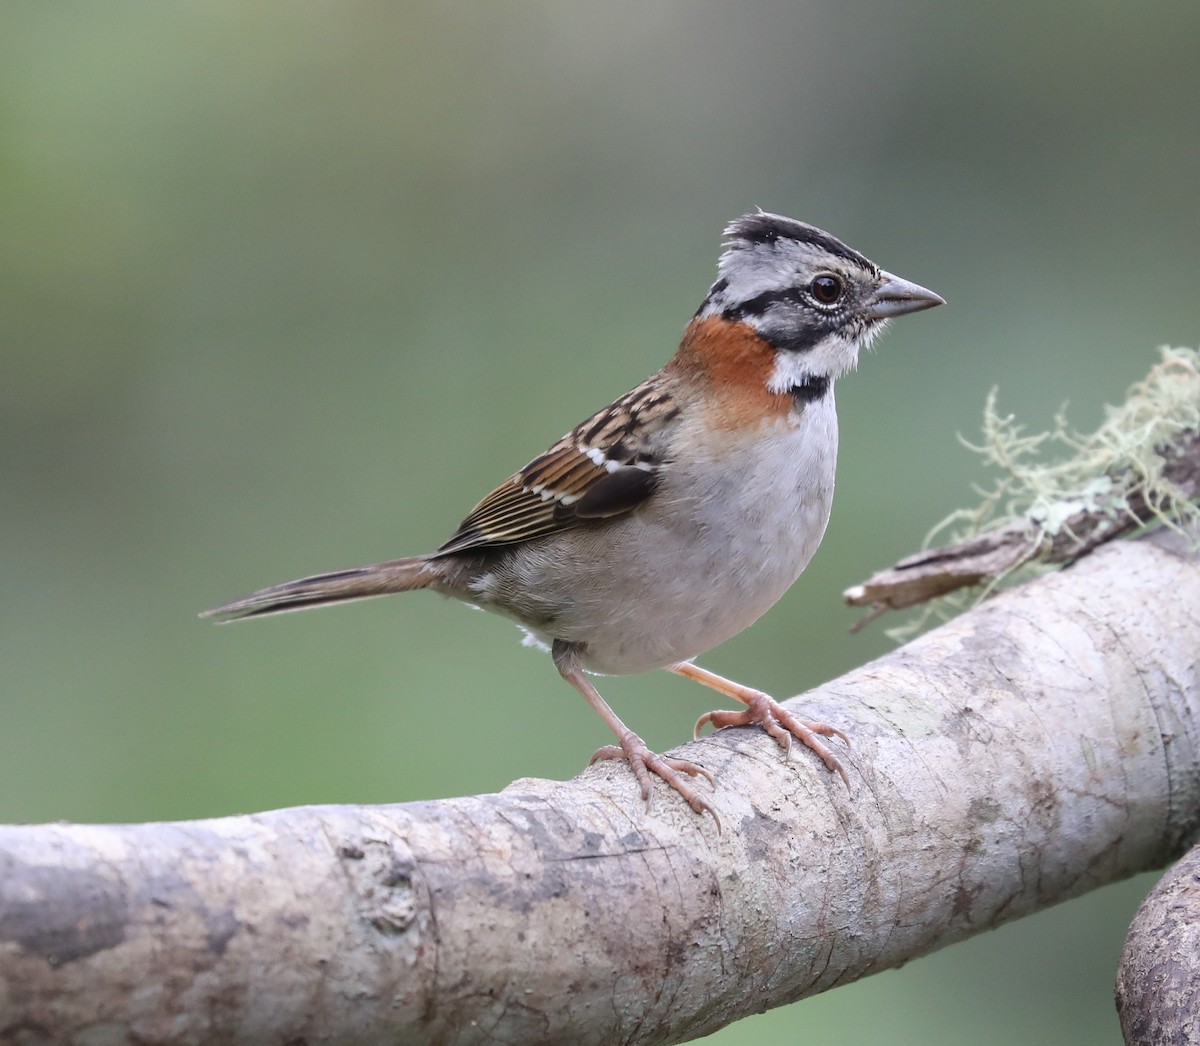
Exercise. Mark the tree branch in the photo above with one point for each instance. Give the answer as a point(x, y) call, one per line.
point(1035, 748)
point(995, 553)
point(1156, 982)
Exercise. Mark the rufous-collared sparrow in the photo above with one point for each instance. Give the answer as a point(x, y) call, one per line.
point(674, 517)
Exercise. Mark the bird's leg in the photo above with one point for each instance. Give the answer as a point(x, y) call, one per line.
point(763, 710)
point(632, 748)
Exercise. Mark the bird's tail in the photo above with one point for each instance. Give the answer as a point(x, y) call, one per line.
point(377, 579)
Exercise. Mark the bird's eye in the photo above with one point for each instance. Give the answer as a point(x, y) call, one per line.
point(826, 289)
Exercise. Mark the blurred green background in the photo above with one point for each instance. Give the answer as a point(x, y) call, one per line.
point(286, 286)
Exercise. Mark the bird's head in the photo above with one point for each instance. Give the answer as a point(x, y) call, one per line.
point(812, 298)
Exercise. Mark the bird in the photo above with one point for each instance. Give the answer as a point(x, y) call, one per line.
point(673, 518)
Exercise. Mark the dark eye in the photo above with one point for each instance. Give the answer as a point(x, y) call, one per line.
point(826, 289)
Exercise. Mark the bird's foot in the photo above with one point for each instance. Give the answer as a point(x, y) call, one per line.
point(763, 710)
point(675, 772)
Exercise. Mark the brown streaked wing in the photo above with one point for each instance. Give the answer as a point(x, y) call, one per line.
point(628, 437)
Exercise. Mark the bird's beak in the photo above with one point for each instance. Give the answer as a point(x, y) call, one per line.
point(896, 297)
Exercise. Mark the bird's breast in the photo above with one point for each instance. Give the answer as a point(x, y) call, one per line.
point(762, 497)
point(730, 528)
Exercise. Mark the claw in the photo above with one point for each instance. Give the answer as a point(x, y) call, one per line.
point(632, 748)
point(777, 721)
point(644, 762)
point(763, 710)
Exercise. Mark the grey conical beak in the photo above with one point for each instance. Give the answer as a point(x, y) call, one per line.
point(896, 297)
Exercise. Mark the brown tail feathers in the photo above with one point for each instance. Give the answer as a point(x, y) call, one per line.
point(377, 579)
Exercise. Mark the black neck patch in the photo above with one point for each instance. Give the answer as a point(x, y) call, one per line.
point(810, 390)
point(793, 339)
point(716, 289)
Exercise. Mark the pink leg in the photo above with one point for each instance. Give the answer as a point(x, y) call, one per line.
point(632, 748)
point(763, 710)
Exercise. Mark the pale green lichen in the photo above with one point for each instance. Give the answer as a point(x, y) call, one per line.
point(1099, 472)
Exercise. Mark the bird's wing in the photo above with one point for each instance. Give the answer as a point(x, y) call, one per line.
point(604, 467)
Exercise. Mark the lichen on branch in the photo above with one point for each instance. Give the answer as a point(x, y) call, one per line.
point(1140, 466)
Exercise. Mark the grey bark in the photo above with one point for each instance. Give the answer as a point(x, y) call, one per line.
point(1160, 966)
point(1035, 748)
